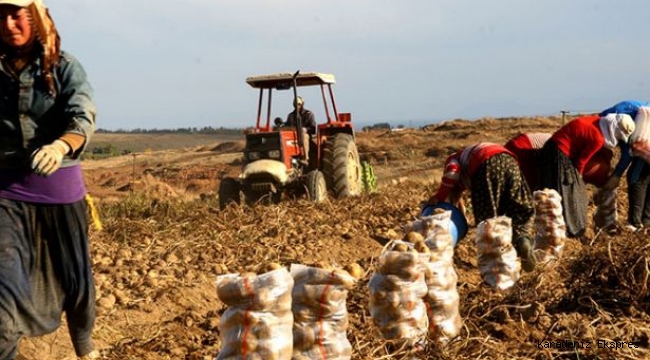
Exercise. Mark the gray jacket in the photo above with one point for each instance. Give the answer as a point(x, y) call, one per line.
point(31, 117)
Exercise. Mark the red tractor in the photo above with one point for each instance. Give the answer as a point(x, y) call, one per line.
point(275, 160)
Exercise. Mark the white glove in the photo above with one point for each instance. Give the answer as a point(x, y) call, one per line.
point(47, 159)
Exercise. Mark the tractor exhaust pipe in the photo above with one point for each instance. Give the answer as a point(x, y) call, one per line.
point(301, 144)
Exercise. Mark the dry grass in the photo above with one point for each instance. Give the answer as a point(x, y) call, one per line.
point(163, 246)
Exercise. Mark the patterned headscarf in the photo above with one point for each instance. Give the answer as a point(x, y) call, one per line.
point(49, 39)
point(44, 34)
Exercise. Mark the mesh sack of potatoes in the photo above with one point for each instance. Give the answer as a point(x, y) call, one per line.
point(308, 347)
point(605, 214)
point(319, 306)
point(435, 230)
point(442, 298)
point(397, 289)
point(443, 307)
point(497, 258)
point(401, 260)
point(440, 275)
point(640, 139)
point(258, 321)
point(445, 321)
point(549, 226)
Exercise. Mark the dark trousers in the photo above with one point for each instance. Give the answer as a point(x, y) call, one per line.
point(558, 173)
point(638, 182)
point(499, 188)
point(45, 270)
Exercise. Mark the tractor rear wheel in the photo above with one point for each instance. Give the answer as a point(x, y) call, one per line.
point(316, 186)
point(229, 192)
point(341, 166)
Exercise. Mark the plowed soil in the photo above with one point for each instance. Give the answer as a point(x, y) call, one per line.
point(164, 241)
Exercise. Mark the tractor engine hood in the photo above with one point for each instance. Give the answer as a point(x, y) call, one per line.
point(275, 168)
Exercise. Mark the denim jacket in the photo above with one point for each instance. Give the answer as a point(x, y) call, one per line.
point(31, 117)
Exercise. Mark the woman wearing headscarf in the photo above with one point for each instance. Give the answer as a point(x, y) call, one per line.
point(638, 174)
point(527, 147)
point(47, 116)
point(497, 188)
point(566, 154)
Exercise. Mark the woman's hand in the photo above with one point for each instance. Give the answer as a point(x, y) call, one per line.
point(47, 159)
point(612, 182)
point(461, 206)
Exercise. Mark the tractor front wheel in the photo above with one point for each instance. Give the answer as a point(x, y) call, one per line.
point(229, 192)
point(341, 165)
point(316, 186)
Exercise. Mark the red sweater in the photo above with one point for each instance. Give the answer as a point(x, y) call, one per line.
point(461, 166)
point(580, 139)
point(526, 148)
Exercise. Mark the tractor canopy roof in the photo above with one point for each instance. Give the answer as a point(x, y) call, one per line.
point(285, 80)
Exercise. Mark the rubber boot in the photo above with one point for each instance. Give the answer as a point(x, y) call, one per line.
point(524, 249)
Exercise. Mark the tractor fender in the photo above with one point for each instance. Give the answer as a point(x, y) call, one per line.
point(277, 169)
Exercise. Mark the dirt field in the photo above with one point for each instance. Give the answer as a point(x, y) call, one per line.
point(164, 242)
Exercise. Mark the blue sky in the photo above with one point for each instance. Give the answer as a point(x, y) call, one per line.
point(169, 64)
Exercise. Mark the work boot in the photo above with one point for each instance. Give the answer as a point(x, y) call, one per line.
point(525, 252)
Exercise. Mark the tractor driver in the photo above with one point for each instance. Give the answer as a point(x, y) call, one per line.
point(308, 122)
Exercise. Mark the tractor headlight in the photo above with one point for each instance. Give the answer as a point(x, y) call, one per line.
point(254, 155)
point(274, 154)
